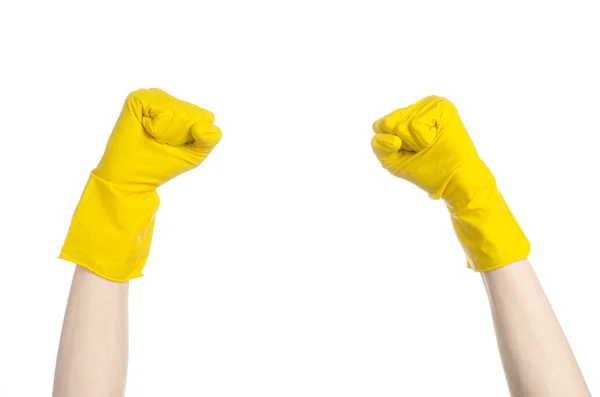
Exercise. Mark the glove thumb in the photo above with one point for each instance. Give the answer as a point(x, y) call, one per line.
point(206, 137)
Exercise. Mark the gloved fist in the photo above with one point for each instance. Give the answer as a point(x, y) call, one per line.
point(156, 138)
point(427, 144)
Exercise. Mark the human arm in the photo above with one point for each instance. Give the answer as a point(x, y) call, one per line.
point(427, 145)
point(535, 353)
point(92, 355)
point(156, 138)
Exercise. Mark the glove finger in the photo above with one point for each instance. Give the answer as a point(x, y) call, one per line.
point(145, 102)
point(159, 125)
point(153, 111)
point(424, 130)
point(199, 113)
point(206, 137)
point(168, 119)
point(415, 124)
point(396, 124)
point(386, 147)
point(424, 124)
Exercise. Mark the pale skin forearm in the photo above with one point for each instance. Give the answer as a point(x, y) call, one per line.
point(427, 144)
point(537, 358)
point(92, 356)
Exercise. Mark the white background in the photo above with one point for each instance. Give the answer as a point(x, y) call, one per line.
point(290, 263)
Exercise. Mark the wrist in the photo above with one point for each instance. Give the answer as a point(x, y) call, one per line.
point(124, 185)
point(471, 186)
point(487, 230)
point(482, 221)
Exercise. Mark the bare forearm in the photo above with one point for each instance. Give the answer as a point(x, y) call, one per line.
point(536, 356)
point(92, 356)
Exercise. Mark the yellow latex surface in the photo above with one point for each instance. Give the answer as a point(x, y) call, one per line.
point(156, 138)
point(427, 145)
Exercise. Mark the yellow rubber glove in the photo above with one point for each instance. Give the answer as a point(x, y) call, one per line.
point(427, 144)
point(156, 138)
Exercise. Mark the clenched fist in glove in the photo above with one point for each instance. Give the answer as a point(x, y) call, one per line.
point(427, 144)
point(156, 138)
